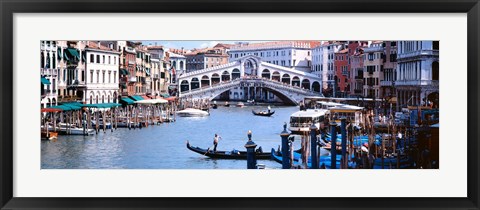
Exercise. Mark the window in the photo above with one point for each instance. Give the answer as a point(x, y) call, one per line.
point(91, 76)
point(109, 76)
point(108, 59)
point(294, 62)
point(103, 61)
point(98, 76)
point(103, 76)
point(114, 77)
point(83, 76)
point(53, 60)
point(98, 58)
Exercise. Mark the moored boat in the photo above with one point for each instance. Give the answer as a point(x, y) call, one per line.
point(190, 112)
point(301, 121)
point(234, 154)
point(227, 104)
point(240, 104)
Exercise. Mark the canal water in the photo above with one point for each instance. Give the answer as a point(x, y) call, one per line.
point(164, 146)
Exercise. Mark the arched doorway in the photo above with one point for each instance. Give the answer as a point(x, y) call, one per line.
point(181, 65)
point(286, 79)
point(108, 99)
point(316, 86)
point(266, 73)
point(296, 81)
point(276, 76)
point(195, 83)
point(184, 86)
point(236, 74)
point(306, 84)
point(435, 71)
point(103, 99)
point(96, 99)
point(91, 99)
point(225, 76)
point(115, 97)
point(215, 79)
point(251, 67)
point(205, 81)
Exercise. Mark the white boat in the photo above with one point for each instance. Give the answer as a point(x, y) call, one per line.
point(189, 112)
point(240, 104)
point(301, 121)
point(67, 129)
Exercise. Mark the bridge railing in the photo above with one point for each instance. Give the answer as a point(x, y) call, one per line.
point(247, 79)
point(203, 71)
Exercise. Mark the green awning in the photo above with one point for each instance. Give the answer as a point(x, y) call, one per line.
point(65, 55)
point(73, 52)
point(137, 97)
point(127, 101)
point(73, 105)
point(124, 72)
point(59, 53)
point(45, 81)
point(104, 105)
point(165, 95)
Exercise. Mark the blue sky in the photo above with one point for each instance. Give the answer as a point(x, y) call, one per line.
point(190, 44)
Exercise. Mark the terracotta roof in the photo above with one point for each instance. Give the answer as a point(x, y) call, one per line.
point(155, 47)
point(343, 51)
point(96, 45)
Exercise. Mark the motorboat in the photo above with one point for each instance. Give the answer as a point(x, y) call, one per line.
point(190, 112)
point(240, 104)
point(301, 121)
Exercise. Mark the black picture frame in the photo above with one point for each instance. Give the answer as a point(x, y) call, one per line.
point(10, 7)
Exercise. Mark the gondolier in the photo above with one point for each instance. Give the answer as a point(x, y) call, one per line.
point(215, 142)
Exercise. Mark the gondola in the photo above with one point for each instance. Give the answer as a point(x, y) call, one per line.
point(263, 113)
point(214, 106)
point(234, 154)
point(226, 104)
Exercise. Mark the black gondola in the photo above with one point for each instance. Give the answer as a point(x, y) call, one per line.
point(263, 113)
point(235, 154)
point(214, 106)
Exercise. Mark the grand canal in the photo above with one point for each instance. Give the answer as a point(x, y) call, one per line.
point(163, 146)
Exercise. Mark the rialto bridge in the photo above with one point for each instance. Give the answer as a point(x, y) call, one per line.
point(252, 79)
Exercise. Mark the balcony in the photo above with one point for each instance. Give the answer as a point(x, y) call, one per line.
point(417, 53)
point(433, 83)
point(132, 79)
point(48, 72)
point(386, 83)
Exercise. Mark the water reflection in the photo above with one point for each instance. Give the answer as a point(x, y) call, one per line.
point(163, 146)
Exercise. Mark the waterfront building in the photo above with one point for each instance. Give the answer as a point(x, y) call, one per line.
point(155, 75)
point(140, 71)
point(71, 61)
point(389, 70)
point(178, 66)
point(373, 69)
point(417, 73)
point(290, 54)
point(102, 83)
point(127, 79)
point(325, 64)
point(342, 69)
point(205, 58)
point(49, 73)
point(164, 67)
point(356, 73)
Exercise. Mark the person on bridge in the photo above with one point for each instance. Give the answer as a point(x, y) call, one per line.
point(215, 142)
